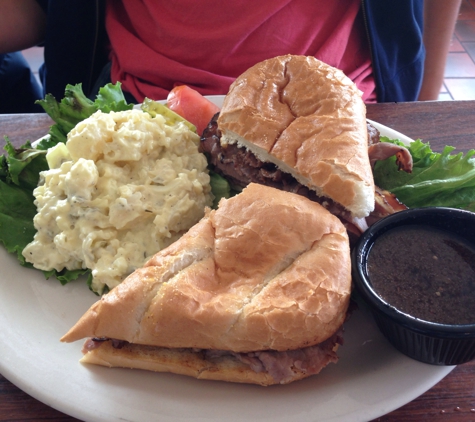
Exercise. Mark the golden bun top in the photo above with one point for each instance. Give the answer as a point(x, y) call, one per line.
point(267, 270)
point(309, 119)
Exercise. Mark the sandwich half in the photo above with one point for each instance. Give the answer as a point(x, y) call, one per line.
point(256, 292)
point(306, 118)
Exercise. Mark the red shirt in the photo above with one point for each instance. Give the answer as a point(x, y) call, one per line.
point(206, 44)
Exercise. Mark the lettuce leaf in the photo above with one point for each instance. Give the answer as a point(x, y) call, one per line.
point(219, 187)
point(75, 107)
point(437, 179)
point(16, 218)
point(111, 98)
point(19, 172)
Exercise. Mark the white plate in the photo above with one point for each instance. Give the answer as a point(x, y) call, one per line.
point(371, 378)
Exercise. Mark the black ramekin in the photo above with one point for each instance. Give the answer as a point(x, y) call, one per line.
point(429, 342)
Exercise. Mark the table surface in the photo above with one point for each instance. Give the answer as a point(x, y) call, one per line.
point(440, 123)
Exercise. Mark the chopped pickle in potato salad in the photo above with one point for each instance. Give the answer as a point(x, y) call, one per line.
point(124, 186)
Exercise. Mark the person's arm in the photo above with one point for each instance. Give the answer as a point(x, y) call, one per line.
point(440, 17)
point(22, 25)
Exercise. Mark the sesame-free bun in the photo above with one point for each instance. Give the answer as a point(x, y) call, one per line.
point(307, 118)
point(267, 270)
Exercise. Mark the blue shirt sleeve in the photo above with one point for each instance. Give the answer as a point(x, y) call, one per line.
point(397, 50)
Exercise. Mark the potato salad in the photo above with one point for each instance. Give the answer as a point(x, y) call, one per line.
point(124, 186)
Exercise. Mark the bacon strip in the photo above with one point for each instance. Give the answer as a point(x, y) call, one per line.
point(383, 150)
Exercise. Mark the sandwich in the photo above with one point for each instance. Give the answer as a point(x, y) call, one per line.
point(298, 124)
point(256, 292)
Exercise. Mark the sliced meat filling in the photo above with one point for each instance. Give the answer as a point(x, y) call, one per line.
point(280, 365)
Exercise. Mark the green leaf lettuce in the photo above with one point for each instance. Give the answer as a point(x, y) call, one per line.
point(437, 179)
point(75, 107)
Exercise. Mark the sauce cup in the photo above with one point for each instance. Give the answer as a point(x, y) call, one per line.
point(447, 343)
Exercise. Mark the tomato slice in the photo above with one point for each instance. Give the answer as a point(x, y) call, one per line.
point(192, 106)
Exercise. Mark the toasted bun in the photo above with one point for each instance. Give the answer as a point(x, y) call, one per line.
point(193, 364)
point(267, 270)
point(307, 118)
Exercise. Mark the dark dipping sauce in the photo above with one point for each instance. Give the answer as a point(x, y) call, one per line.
point(425, 272)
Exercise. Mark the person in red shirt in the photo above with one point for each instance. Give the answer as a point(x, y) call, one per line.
point(156, 45)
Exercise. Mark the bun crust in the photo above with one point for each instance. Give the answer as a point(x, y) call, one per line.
point(186, 362)
point(309, 119)
point(267, 270)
